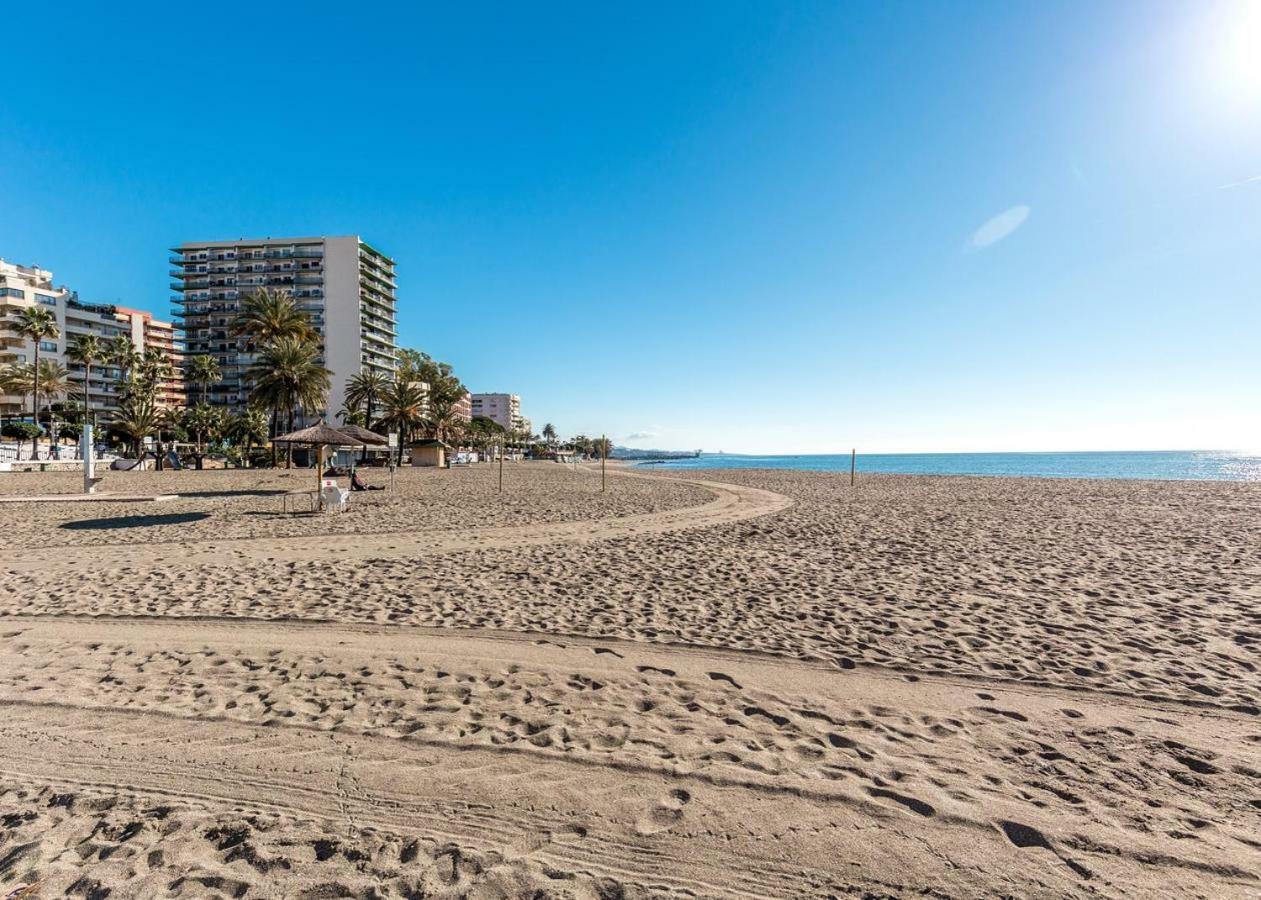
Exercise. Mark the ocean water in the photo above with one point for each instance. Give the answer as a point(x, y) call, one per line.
point(1164, 465)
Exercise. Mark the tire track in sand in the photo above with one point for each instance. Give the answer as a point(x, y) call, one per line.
point(482, 739)
point(731, 503)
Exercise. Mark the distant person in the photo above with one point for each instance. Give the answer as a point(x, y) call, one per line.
point(357, 484)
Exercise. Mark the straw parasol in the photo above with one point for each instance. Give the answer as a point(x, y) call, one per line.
point(319, 435)
point(366, 438)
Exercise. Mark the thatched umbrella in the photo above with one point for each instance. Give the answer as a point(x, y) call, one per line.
point(365, 437)
point(319, 435)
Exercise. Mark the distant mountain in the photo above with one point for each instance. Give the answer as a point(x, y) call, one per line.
point(632, 453)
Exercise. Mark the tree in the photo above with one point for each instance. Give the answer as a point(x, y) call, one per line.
point(170, 422)
point(205, 421)
point(549, 433)
point(154, 368)
point(439, 415)
point(123, 353)
point(250, 428)
point(287, 376)
point(86, 350)
point(269, 314)
point(403, 410)
point(52, 381)
point(35, 323)
point(351, 416)
point(445, 389)
point(21, 431)
point(14, 379)
point(203, 370)
point(482, 432)
point(364, 389)
point(138, 418)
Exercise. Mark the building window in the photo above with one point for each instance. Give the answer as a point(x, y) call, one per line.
point(46, 300)
point(48, 346)
point(12, 292)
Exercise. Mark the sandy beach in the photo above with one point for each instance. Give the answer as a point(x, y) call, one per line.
point(711, 683)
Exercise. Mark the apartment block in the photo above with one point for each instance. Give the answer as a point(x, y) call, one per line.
point(504, 409)
point(345, 286)
point(22, 287)
point(154, 334)
point(463, 410)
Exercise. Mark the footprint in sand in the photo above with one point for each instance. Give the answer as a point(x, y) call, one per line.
point(665, 813)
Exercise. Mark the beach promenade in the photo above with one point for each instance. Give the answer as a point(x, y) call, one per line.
point(738, 683)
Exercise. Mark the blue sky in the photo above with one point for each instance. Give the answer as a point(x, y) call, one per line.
point(762, 227)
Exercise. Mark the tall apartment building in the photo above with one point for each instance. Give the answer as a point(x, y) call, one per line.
point(503, 409)
point(345, 286)
point(24, 286)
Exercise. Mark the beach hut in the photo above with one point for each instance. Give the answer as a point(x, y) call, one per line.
point(429, 453)
point(319, 435)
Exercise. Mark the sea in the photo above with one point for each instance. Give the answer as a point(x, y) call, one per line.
point(1161, 465)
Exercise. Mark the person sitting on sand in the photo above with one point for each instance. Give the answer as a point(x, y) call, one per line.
point(356, 484)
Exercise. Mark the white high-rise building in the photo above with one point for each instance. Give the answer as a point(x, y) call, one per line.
point(345, 286)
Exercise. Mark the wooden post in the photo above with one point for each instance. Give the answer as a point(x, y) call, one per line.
point(853, 464)
point(501, 467)
point(604, 451)
point(319, 476)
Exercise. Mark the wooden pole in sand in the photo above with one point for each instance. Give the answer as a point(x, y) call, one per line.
point(501, 467)
point(853, 464)
point(604, 451)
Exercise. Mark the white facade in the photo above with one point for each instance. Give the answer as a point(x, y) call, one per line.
point(503, 409)
point(22, 287)
point(345, 286)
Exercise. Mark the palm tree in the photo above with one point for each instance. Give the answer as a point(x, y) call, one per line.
point(203, 370)
point(404, 405)
point(155, 367)
point(205, 421)
point(86, 350)
point(122, 353)
point(138, 417)
point(364, 389)
point(268, 314)
point(249, 427)
point(169, 421)
point(287, 376)
point(549, 433)
point(440, 415)
point(351, 416)
point(36, 323)
point(14, 379)
point(52, 381)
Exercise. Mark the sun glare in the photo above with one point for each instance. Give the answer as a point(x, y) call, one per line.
point(1235, 53)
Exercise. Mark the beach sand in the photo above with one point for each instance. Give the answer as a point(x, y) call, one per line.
point(719, 683)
